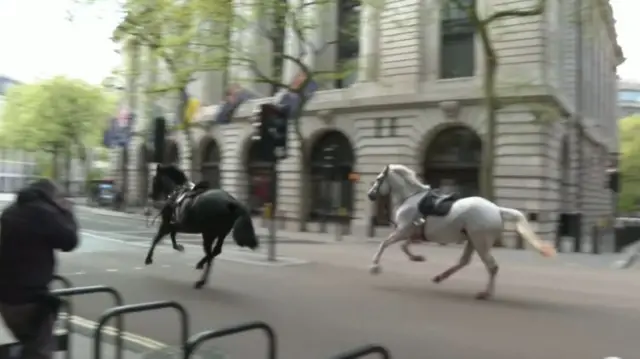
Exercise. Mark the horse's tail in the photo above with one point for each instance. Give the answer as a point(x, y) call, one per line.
point(525, 231)
point(244, 234)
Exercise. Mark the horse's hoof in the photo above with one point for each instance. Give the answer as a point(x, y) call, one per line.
point(199, 266)
point(438, 279)
point(148, 261)
point(375, 269)
point(179, 248)
point(199, 284)
point(417, 258)
point(483, 296)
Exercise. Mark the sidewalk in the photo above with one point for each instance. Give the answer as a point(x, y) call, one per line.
point(82, 346)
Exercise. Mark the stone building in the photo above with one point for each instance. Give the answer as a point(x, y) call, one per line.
point(417, 100)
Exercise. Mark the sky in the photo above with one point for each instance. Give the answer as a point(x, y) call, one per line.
point(37, 39)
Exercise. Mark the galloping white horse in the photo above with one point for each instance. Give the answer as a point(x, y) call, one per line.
point(474, 220)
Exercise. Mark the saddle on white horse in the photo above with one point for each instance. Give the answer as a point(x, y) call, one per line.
point(438, 205)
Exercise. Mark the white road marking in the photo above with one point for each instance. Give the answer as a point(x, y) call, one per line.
point(137, 268)
point(165, 266)
point(112, 270)
point(228, 254)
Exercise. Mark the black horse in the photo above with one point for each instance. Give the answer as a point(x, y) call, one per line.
point(211, 212)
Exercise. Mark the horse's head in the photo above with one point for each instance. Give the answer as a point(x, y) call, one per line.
point(395, 177)
point(380, 185)
point(165, 181)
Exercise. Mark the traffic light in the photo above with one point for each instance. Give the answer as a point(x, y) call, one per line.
point(270, 131)
point(278, 127)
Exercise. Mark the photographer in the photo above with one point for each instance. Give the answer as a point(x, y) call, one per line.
point(39, 222)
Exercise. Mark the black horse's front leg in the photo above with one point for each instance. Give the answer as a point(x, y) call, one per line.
point(174, 242)
point(162, 231)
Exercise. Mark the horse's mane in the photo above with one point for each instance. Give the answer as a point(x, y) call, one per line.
point(174, 173)
point(407, 173)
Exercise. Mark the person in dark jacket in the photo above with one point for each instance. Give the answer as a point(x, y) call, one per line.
point(39, 222)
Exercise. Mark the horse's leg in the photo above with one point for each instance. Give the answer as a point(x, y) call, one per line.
point(174, 242)
point(217, 249)
point(482, 245)
point(162, 231)
point(464, 260)
point(412, 257)
point(207, 247)
point(396, 236)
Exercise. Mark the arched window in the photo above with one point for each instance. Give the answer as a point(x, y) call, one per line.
point(348, 42)
point(332, 160)
point(452, 161)
point(260, 188)
point(210, 169)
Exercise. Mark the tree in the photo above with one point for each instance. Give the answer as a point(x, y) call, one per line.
point(174, 34)
point(55, 115)
point(301, 19)
point(483, 27)
point(629, 197)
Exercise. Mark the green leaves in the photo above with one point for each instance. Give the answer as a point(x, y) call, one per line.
point(59, 112)
point(629, 130)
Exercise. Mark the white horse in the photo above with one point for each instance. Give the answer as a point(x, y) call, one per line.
point(474, 220)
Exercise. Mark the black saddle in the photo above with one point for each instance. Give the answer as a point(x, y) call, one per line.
point(184, 198)
point(438, 205)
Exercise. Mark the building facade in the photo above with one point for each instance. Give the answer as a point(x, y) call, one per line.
point(417, 100)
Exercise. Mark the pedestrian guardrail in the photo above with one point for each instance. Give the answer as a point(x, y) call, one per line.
point(365, 351)
point(119, 311)
point(194, 342)
point(189, 344)
point(76, 291)
point(61, 339)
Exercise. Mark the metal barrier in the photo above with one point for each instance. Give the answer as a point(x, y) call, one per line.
point(135, 308)
point(272, 345)
point(364, 351)
point(61, 340)
point(117, 298)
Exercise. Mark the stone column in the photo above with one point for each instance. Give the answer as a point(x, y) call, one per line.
point(368, 60)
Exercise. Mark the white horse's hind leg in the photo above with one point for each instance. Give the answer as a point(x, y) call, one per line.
point(412, 257)
point(483, 244)
point(464, 261)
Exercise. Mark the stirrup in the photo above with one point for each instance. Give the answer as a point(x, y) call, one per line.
point(419, 222)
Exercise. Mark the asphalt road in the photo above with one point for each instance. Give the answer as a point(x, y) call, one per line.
point(322, 300)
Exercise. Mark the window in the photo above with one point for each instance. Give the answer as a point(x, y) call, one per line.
point(393, 127)
point(348, 42)
point(378, 127)
point(457, 48)
point(631, 96)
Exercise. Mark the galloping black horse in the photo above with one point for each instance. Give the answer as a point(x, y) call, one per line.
point(212, 212)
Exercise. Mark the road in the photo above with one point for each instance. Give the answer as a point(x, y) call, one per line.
point(322, 300)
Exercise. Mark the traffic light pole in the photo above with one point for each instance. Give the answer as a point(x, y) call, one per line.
point(271, 248)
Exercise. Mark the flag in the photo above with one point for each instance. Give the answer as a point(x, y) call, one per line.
point(123, 118)
point(235, 97)
point(108, 136)
point(192, 107)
